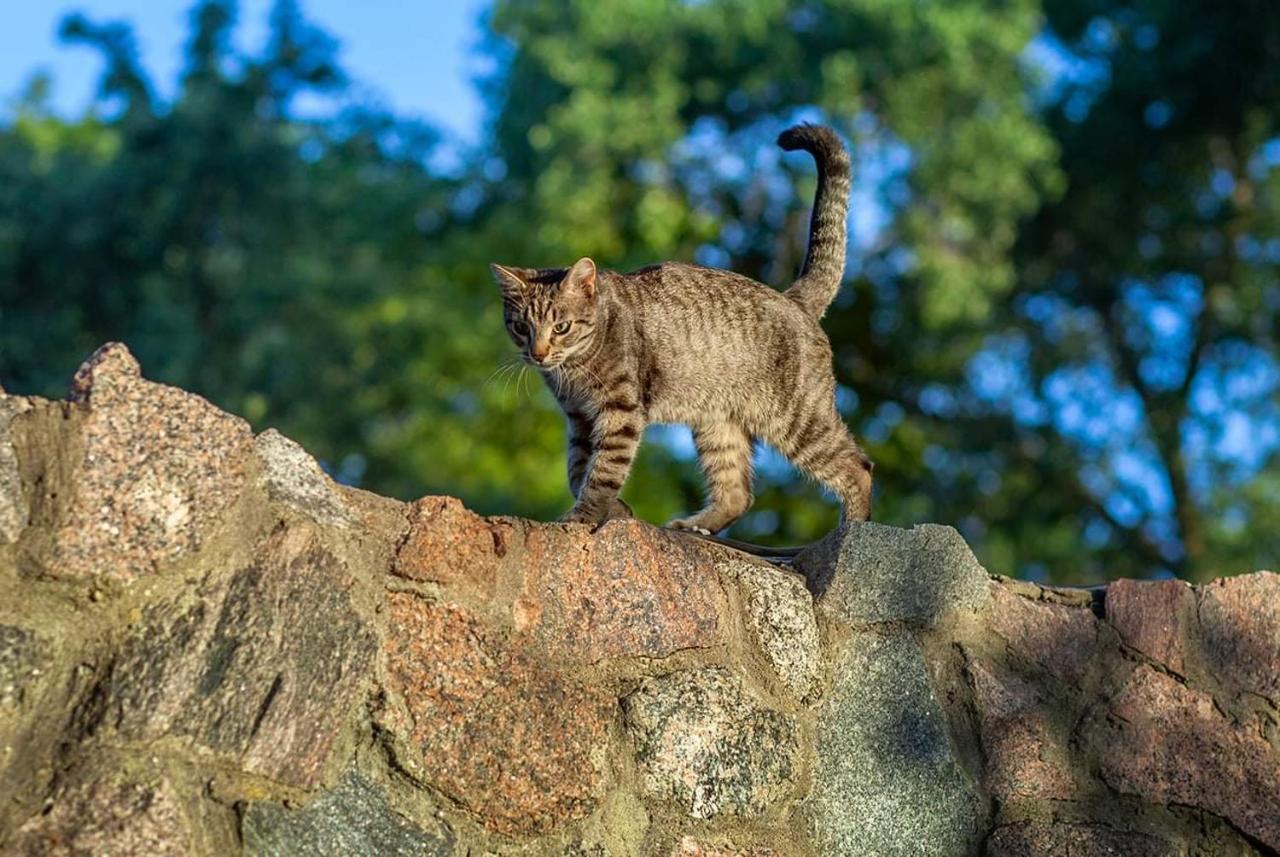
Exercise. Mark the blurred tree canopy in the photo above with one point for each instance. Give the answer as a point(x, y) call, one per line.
point(1059, 330)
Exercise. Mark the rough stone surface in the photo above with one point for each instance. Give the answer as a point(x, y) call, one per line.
point(887, 781)
point(294, 478)
point(1240, 620)
point(1076, 840)
point(263, 669)
point(23, 658)
point(1026, 751)
point(781, 621)
point(885, 574)
point(447, 543)
point(1152, 616)
point(353, 819)
point(14, 508)
point(1177, 747)
point(518, 745)
point(1056, 637)
point(690, 847)
point(108, 817)
point(704, 746)
point(496, 686)
point(158, 468)
point(628, 590)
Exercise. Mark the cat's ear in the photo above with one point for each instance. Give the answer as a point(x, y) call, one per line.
point(512, 280)
point(582, 277)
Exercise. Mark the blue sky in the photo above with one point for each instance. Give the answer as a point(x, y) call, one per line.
point(418, 58)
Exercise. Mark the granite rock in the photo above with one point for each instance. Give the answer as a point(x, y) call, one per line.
point(1025, 748)
point(157, 470)
point(293, 477)
point(24, 656)
point(449, 544)
point(1065, 839)
point(869, 573)
point(887, 780)
point(262, 669)
point(781, 621)
point(1152, 616)
point(704, 746)
point(628, 590)
point(518, 745)
point(1055, 637)
point(1176, 747)
point(14, 508)
point(108, 816)
point(1240, 623)
point(353, 819)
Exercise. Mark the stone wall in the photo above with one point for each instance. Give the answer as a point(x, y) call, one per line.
point(208, 647)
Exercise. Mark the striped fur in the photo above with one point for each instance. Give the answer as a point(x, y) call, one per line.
point(735, 360)
point(823, 268)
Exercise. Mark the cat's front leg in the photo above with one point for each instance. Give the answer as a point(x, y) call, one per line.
point(615, 438)
point(580, 449)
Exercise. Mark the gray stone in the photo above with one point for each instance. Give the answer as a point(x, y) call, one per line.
point(23, 658)
point(261, 669)
point(703, 745)
point(781, 621)
point(354, 818)
point(868, 573)
point(294, 478)
point(887, 781)
point(14, 509)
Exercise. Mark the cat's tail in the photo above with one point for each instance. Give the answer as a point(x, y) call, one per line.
point(823, 269)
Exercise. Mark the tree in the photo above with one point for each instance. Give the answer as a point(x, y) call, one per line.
point(1059, 328)
point(1068, 202)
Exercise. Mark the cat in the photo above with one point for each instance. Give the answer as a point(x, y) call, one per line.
point(732, 358)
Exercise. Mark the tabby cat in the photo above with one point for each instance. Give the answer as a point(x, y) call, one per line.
point(734, 359)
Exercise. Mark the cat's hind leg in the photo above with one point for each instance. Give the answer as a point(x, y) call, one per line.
point(724, 451)
point(824, 448)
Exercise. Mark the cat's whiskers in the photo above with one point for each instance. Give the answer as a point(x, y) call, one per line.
point(499, 372)
point(521, 388)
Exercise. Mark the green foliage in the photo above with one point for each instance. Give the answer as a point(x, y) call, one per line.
point(1060, 321)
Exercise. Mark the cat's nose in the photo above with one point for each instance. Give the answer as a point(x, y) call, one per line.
point(539, 353)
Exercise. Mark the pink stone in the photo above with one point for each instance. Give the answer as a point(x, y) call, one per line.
point(122, 819)
point(513, 742)
point(1177, 747)
point(155, 470)
point(1240, 622)
point(1059, 638)
point(1026, 752)
point(1151, 616)
point(449, 544)
point(627, 590)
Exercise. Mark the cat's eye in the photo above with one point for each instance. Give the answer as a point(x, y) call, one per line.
point(519, 328)
point(562, 328)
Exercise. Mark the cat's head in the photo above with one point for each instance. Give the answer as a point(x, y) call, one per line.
point(550, 313)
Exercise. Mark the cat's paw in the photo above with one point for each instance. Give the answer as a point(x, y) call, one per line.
point(579, 516)
point(689, 525)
